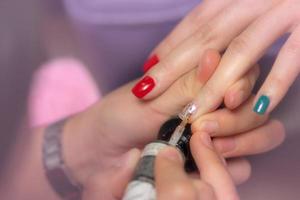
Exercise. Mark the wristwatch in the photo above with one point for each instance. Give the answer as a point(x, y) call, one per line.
point(56, 171)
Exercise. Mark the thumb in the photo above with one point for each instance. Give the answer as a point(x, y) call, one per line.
point(111, 184)
point(124, 172)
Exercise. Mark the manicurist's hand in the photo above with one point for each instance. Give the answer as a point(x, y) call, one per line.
point(172, 182)
point(244, 30)
point(99, 141)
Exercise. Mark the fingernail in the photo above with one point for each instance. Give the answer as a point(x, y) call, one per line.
point(153, 60)
point(170, 153)
point(143, 87)
point(206, 140)
point(261, 105)
point(209, 126)
point(225, 145)
point(188, 111)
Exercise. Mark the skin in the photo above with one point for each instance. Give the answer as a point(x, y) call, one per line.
point(252, 30)
point(208, 28)
point(243, 30)
point(173, 183)
point(102, 156)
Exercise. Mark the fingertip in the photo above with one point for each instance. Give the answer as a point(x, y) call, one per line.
point(240, 170)
point(229, 100)
point(279, 131)
point(211, 57)
point(208, 64)
point(234, 99)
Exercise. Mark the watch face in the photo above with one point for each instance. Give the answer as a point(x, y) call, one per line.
point(139, 190)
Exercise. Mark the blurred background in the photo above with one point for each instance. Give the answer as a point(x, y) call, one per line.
point(33, 32)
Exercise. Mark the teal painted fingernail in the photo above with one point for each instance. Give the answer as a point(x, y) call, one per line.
point(261, 105)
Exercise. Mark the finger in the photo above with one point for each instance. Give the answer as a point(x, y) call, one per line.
point(241, 54)
point(225, 122)
point(239, 169)
point(170, 178)
point(197, 17)
point(112, 183)
point(259, 140)
point(184, 58)
point(212, 167)
point(242, 89)
point(165, 106)
point(284, 72)
point(188, 86)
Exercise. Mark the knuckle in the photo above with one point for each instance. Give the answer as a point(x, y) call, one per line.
point(277, 81)
point(205, 34)
point(165, 66)
point(228, 123)
point(188, 86)
point(239, 45)
point(196, 17)
point(212, 95)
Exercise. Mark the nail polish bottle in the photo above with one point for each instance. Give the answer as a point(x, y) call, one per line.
point(165, 133)
point(142, 184)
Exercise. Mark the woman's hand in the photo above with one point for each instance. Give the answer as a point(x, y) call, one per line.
point(244, 30)
point(173, 183)
point(101, 137)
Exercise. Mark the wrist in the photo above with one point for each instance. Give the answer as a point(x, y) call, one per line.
point(82, 152)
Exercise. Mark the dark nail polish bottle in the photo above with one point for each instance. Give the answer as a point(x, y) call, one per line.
point(142, 185)
point(183, 144)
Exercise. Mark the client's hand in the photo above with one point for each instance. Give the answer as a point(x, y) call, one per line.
point(98, 140)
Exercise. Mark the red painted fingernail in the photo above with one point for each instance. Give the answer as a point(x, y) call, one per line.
point(143, 87)
point(153, 60)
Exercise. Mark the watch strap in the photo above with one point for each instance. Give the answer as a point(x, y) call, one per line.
point(56, 171)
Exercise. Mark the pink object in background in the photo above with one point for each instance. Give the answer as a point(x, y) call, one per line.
point(60, 88)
